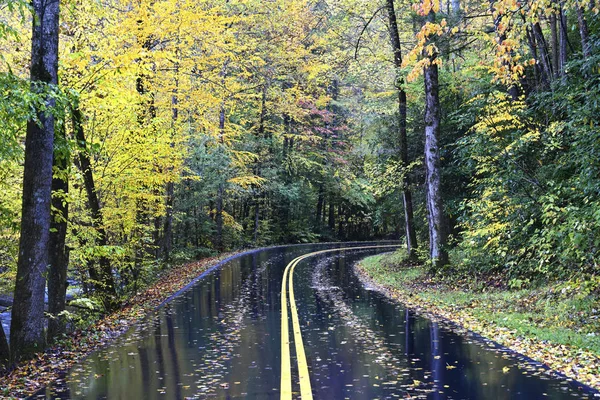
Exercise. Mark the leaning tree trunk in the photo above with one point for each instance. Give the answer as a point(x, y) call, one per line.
point(435, 208)
point(411, 236)
point(27, 327)
point(59, 255)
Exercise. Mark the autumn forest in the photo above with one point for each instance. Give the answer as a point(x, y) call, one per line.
point(138, 135)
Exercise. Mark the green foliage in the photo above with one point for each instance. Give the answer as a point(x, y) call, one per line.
point(532, 210)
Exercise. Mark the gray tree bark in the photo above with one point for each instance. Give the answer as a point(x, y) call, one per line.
point(435, 207)
point(27, 327)
point(564, 41)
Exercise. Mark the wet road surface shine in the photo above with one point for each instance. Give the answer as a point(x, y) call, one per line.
point(304, 377)
point(221, 339)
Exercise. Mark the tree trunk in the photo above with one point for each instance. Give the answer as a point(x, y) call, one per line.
point(167, 242)
point(340, 225)
point(583, 32)
point(455, 7)
point(256, 220)
point(59, 255)
point(4, 350)
point(435, 208)
point(27, 327)
point(564, 42)
point(168, 225)
point(411, 236)
point(544, 58)
point(221, 188)
point(537, 70)
point(554, 44)
point(320, 199)
point(331, 219)
point(102, 277)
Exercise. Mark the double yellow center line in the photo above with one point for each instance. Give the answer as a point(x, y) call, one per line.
point(286, 368)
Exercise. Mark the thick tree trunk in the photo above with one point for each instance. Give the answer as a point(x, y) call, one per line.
point(435, 207)
point(102, 277)
point(583, 32)
point(411, 236)
point(27, 327)
point(59, 255)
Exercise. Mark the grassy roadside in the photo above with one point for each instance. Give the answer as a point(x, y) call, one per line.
point(558, 324)
point(34, 374)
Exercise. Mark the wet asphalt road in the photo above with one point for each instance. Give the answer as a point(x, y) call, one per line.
point(222, 339)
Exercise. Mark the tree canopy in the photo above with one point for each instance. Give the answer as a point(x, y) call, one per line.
point(182, 128)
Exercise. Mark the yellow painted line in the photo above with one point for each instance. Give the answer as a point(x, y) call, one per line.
point(286, 368)
point(305, 389)
point(286, 373)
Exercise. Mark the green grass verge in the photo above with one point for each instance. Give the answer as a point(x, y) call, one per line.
point(561, 313)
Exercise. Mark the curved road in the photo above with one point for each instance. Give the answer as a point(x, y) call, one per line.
point(295, 322)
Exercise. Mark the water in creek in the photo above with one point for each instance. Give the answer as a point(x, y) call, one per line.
point(221, 339)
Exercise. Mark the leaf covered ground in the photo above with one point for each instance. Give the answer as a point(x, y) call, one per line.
point(33, 375)
point(555, 324)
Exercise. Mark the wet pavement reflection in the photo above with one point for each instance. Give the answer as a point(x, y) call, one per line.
point(221, 339)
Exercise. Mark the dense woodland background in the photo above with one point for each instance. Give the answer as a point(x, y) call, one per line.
point(169, 130)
